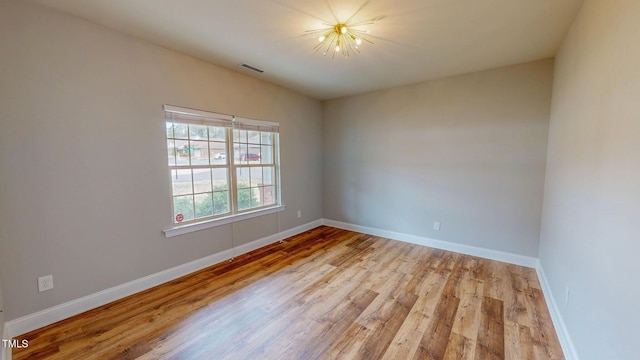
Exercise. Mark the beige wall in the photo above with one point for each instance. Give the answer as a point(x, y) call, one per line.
point(84, 190)
point(590, 237)
point(468, 151)
point(1, 314)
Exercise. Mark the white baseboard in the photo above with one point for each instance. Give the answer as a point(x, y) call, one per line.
point(439, 244)
point(51, 315)
point(558, 323)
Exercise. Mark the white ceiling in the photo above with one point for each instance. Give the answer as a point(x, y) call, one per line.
point(414, 40)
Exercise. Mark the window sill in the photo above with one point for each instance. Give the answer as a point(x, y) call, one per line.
point(185, 229)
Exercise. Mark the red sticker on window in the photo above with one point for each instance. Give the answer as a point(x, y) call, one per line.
point(179, 217)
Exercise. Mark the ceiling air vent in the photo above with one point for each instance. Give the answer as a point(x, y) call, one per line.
point(252, 68)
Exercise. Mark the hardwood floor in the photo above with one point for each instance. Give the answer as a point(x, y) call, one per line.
point(323, 294)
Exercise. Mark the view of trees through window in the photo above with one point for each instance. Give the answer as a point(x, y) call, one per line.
point(210, 178)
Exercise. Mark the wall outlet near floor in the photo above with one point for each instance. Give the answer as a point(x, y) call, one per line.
point(436, 225)
point(566, 295)
point(45, 283)
point(299, 213)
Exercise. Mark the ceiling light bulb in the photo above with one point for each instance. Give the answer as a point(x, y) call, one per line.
point(337, 48)
point(321, 38)
point(343, 29)
point(358, 41)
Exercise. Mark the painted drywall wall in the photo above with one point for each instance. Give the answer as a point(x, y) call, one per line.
point(1, 314)
point(467, 151)
point(84, 191)
point(590, 235)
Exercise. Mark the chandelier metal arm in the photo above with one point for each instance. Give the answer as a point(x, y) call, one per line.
point(343, 38)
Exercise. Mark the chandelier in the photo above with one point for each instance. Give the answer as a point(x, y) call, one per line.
point(341, 38)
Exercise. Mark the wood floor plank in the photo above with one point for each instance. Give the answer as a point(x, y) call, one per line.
point(460, 348)
point(408, 337)
point(518, 342)
point(329, 327)
point(496, 281)
point(544, 337)
point(383, 321)
point(436, 338)
point(467, 319)
point(348, 345)
point(326, 293)
point(490, 343)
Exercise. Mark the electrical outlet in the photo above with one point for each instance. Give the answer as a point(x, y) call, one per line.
point(436, 225)
point(45, 283)
point(299, 213)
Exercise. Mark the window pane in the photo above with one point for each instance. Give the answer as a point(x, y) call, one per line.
point(266, 154)
point(204, 206)
point(220, 179)
point(268, 175)
point(240, 136)
point(240, 151)
point(250, 154)
point(199, 151)
point(220, 202)
point(244, 199)
point(256, 199)
point(182, 152)
point(268, 195)
point(198, 132)
point(242, 177)
point(254, 153)
point(182, 208)
point(201, 180)
point(171, 152)
point(256, 176)
point(253, 137)
point(181, 182)
point(180, 131)
point(266, 138)
point(217, 133)
point(169, 130)
point(218, 153)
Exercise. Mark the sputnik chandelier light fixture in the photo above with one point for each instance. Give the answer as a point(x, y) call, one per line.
point(343, 38)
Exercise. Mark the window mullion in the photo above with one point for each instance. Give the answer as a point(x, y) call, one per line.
point(232, 172)
point(275, 151)
point(193, 187)
point(179, 167)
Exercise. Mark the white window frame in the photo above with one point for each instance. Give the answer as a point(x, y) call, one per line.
point(231, 124)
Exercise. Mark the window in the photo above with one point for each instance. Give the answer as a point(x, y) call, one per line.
point(220, 165)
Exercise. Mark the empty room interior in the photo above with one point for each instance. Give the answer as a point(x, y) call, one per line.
point(319, 179)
